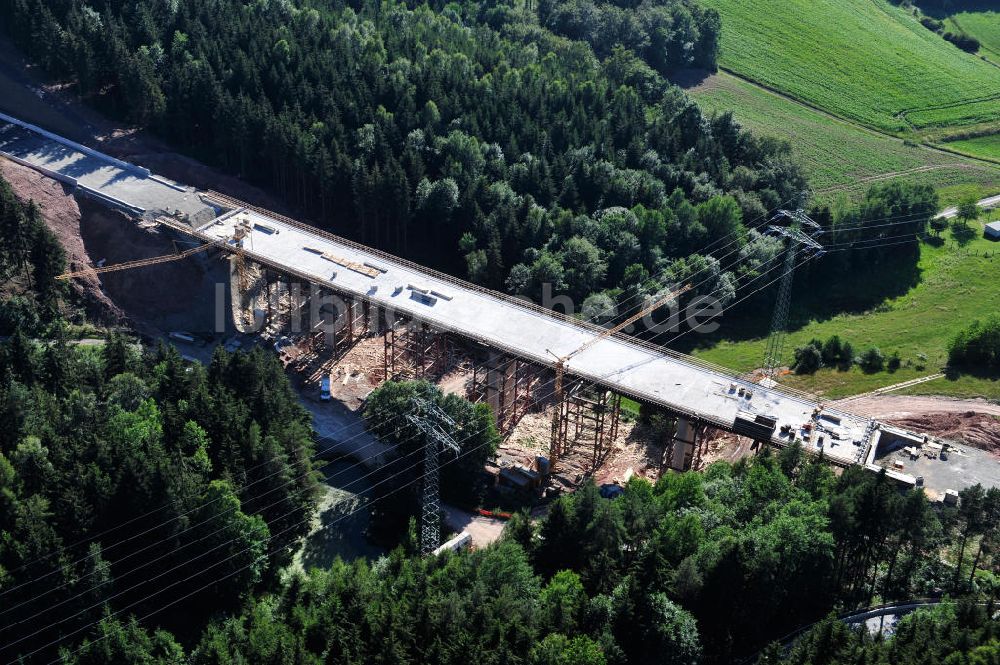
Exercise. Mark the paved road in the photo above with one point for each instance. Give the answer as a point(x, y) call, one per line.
point(988, 202)
point(484, 530)
point(341, 431)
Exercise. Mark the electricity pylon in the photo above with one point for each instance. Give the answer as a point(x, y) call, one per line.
point(800, 232)
point(435, 424)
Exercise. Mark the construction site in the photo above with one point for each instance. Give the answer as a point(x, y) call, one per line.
point(344, 318)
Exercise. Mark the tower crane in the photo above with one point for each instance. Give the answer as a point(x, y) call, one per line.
point(241, 231)
point(138, 263)
point(560, 365)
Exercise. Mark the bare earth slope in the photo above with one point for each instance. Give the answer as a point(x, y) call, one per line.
point(62, 215)
point(973, 421)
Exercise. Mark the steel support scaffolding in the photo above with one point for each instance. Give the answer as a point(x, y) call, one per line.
point(416, 352)
point(590, 414)
point(507, 385)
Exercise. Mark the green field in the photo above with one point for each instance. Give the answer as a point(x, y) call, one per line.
point(984, 26)
point(839, 156)
point(956, 286)
point(865, 60)
point(985, 147)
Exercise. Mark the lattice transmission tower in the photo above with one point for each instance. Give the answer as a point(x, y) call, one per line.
point(801, 232)
point(435, 424)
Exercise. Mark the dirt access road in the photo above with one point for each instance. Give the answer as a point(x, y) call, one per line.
point(975, 422)
point(907, 406)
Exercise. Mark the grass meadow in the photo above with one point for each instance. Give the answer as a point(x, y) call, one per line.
point(984, 26)
point(984, 147)
point(839, 156)
point(955, 284)
point(865, 60)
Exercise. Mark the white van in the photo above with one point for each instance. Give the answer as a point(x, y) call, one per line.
point(324, 389)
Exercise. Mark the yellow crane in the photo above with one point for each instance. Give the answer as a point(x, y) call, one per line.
point(138, 263)
point(241, 231)
point(561, 361)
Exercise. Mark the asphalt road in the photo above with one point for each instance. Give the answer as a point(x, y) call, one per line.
point(988, 202)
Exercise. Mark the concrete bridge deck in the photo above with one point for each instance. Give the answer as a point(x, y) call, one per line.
point(681, 384)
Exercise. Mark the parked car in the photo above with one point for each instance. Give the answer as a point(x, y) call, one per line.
point(611, 490)
point(324, 389)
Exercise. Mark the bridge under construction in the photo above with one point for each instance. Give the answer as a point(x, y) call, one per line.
point(390, 289)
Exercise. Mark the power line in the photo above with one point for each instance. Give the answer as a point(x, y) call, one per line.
point(797, 237)
point(119, 526)
point(173, 536)
point(272, 490)
point(202, 554)
point(161, 524)
point(675, 338)
point(94, 537)
point(295, 525)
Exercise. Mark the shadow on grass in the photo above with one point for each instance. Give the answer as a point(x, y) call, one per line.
point(690, 77)
point(956, 373)
point(941, 9)
point(818, 296)
point(963, 233)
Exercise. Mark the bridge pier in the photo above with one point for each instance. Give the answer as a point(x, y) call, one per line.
point(506, 384)
point(333, 319)
point(589, 413)
point(684, 449)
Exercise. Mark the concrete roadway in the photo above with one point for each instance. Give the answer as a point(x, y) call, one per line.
point(682, 384)
point(678, 383)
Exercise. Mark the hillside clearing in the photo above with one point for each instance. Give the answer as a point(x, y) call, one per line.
point(879, 66)
point(839, 156)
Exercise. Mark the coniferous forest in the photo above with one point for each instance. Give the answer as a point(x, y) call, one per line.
point(511, 144)
point(149, 507)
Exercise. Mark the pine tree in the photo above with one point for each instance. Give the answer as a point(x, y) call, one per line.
point(48, 260)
